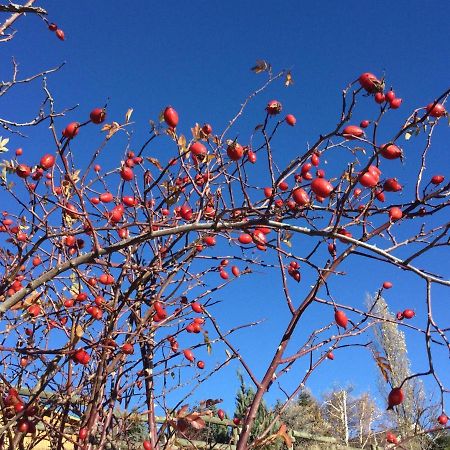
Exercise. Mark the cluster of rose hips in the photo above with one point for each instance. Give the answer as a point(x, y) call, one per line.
point(222, 270)
point(321, 187)
point(257, 237)
point(293, 271)
point(59, 33)
point(189, 355)
point(376, 87)
point(406, 314)
point(16, 285)
point(97, 116)
point(47, 161)
point(14, 404)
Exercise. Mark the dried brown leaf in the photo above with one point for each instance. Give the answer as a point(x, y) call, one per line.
point(171, 132)
point(261, 66)
point(182, 411)
point(155, 162)
point(112, 129)
point(182, 425)
point(383, 365)
point(198, 423)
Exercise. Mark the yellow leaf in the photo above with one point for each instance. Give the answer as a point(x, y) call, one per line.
point(288, 80)
point(79, 331)
point(76, 176)
point(74, 289)
point(66, 188)
point(182, 141)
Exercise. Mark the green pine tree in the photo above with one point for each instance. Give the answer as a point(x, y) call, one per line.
point(264, 416)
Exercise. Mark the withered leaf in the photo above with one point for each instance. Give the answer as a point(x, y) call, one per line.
point(383, 365)
point(155, 162)
point(182, 411)
point(261, 66)
point(128, 115)
point(196, 131)
point(171, 132)
point(66, 188)
point(182, 425)
point(207, 342)
point(112, 129)
point(74, 289)
point(198, 423)
point(173, 194)
point(182, 141)
point(288, 81)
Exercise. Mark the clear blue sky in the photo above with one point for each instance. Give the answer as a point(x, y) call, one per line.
point(196, 56)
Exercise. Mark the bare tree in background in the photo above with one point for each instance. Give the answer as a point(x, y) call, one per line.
point(337, 410)
point(365, 421)
point(354, 420)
